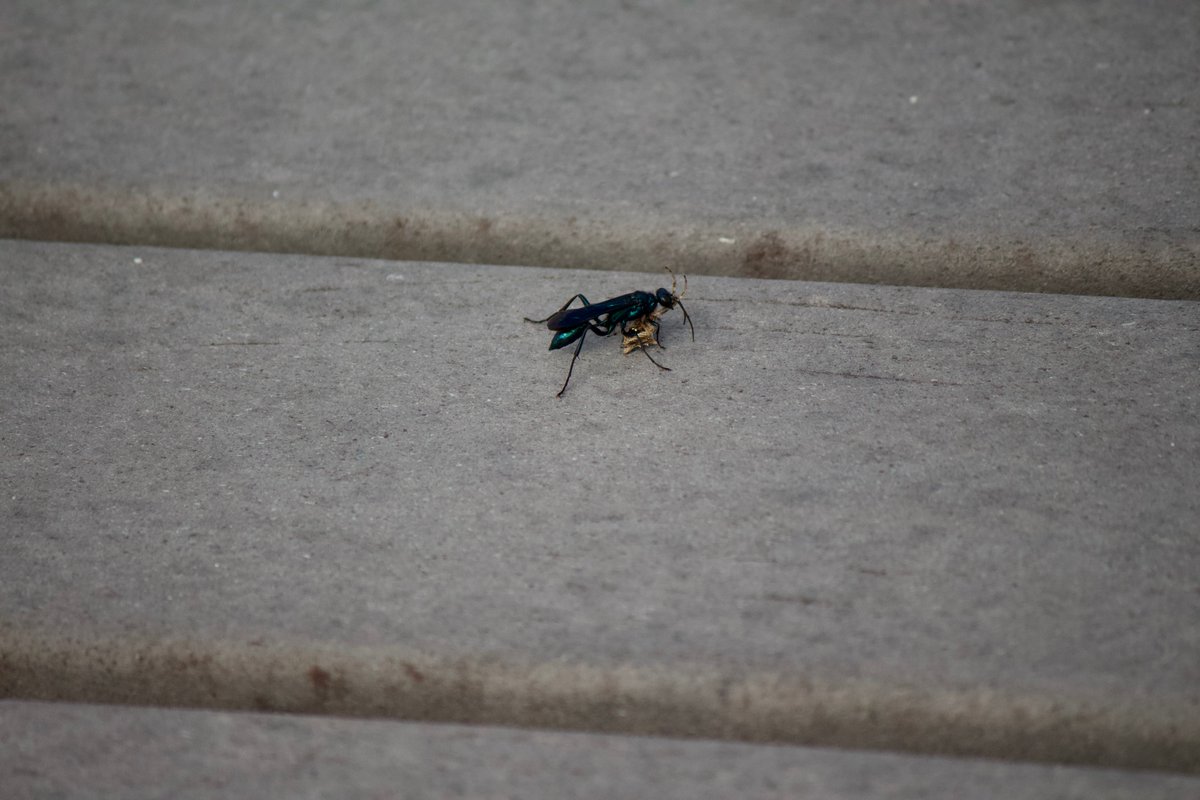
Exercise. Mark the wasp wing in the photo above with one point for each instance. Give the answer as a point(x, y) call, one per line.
point(575, 317)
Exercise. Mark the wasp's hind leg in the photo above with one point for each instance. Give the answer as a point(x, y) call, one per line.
point(579, 296)
point(571, 368)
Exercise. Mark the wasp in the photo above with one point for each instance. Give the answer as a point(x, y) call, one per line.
point(636, 315)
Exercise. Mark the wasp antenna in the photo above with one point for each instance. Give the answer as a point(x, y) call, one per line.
point(687, 317)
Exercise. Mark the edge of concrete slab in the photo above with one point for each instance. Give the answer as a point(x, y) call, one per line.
point(1147, 263)
point(64, 750)
point(687, 701)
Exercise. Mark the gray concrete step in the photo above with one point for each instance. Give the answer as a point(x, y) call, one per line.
point(932, 520)
point(1004, 145)
point(73, 751)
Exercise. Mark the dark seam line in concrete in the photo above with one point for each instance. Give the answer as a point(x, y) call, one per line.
point(1140, 265)
point(908, 312)
point(683, 701)
point(244, 344)
point(868, 375)
point(770, 301)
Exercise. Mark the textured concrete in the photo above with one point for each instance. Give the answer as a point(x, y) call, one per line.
point(69, 751)
point(934, 520)
point(1008, 145)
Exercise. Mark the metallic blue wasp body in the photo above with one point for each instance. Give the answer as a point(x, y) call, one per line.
point(635, 315)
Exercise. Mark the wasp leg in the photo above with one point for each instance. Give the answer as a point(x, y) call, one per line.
point(657, 334)
point(636, 333)
point(652, 361)
point(579, 296)
point(571, 368)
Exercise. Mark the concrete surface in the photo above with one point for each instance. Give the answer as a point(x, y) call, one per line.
point(931, 520)
point(1004, 145)
point(68, 751)
point(938, 522)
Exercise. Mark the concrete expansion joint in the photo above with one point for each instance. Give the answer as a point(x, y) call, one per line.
point(1137, 263)
point(668, 700)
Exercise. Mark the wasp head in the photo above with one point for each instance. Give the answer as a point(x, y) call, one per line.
point(667, 299)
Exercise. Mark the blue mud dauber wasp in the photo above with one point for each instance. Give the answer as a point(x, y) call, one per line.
point(636, 315)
